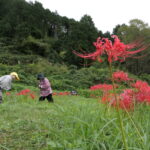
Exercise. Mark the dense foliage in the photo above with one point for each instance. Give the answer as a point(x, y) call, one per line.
point(29, 29)
point(29, 33)
point(35, 40)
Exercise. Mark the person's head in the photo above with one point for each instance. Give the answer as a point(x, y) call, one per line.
point(14, 76)
point(40, 76)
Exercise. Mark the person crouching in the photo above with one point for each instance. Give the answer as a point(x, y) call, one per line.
point(45, 88)
point(6, 82)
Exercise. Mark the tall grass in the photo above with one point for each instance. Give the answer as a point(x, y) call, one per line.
point(71, 123)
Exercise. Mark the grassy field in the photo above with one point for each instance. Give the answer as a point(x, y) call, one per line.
point(71, 123)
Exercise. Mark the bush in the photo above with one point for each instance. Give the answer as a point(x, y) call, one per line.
point(60, 76)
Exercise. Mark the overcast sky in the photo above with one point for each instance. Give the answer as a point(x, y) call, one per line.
point(106, 14)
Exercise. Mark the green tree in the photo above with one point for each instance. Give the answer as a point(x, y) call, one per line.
point(136, 30)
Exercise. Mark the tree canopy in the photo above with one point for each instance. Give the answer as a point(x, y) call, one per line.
point(27, 29)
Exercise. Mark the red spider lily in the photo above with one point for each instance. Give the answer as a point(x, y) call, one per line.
point(142, 97)
point(120, 51)
point(32, 96)
point(127, 99)
point(66, 93)
point(63, 93)
point(24, 92)
point(120, 76)
point(140, 84)
point(54, 93)
point(8, 93)
point(142, 93)
point(127, 93)
point(107, 98)
point(126, 104)
point(27, 92)
point(103, 87)
point(115, 51)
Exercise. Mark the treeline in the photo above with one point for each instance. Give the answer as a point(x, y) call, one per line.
point(28, 32)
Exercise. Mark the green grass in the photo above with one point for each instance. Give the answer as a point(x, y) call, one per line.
point(71, 123)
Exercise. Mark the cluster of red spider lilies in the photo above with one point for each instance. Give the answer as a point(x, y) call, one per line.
point(24, 92)
point(115, 50)
point(32, 95)
point(139, 92)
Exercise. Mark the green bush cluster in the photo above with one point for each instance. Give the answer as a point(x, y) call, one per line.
point(13, 59)
point(61, 76)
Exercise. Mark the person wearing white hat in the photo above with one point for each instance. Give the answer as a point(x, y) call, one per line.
point(6, 81)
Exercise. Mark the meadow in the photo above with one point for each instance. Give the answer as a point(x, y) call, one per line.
point(70, 123)
point(111, 110)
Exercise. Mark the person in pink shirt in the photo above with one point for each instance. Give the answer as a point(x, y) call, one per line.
point(45, 88)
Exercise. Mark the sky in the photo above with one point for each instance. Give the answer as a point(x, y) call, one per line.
point(106, 14)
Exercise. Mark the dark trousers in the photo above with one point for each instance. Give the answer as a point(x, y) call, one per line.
point(48, 97)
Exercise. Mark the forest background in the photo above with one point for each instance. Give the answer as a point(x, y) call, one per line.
point(34, 40)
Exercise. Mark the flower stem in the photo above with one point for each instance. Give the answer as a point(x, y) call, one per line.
point(118, 111)
point(138, 132)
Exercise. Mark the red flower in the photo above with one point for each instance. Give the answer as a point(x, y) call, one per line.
point(140, 84)
point(8, 93)
point(61, 93)
point(126, 104)
point(121, 76)
point(32, 96)
point(108, 98)
point(54, 93)
point(115, 51)
point(64, 93)
point(104, 87)
point(125, 100)
point(24, 92)
point(142, 93)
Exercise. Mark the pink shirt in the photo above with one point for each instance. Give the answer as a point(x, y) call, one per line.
point(45, 87)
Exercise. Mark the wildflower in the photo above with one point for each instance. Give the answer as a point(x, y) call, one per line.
point(24, 92)
point(8, 93)
point(126, 99)
point(143, 94)
point(120, 76)
point(104, 87)
point(60, 93)
point(116, 51)
point(140, 85)
point(108, 98)
point(32, 96)
point(54, 93)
